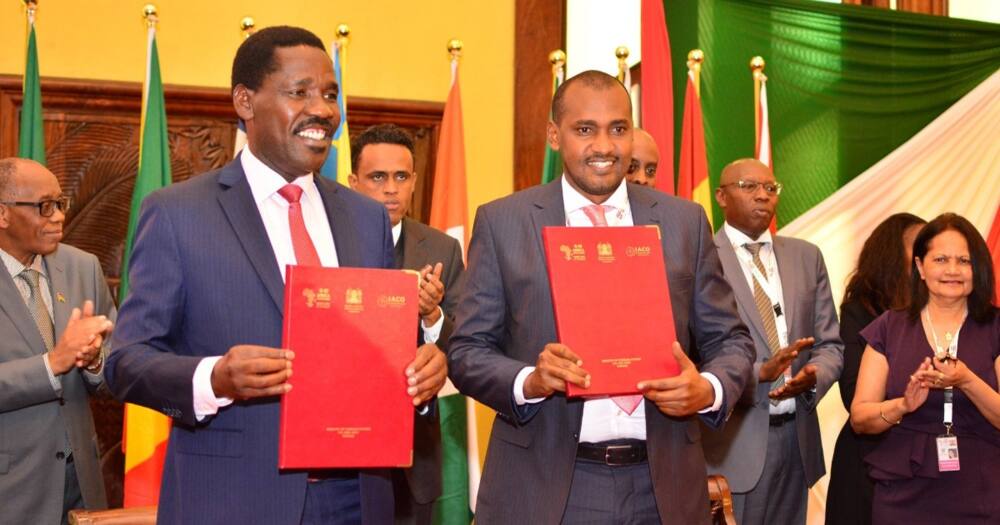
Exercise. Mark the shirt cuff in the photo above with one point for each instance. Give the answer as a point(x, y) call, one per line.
point(205, 402)
point(717, 387)
point(53, 380)
point(433, 333)
point(519, 387)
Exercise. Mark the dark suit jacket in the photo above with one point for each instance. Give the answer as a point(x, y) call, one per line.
point(505, 318)
point(421, 245)
point(203, 279)
point(34, 421)
point(738, 452)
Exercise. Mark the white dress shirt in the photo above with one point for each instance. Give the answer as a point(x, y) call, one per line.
point(603, 420)
point(739, 240)
point(273, 208)
point(433, 332)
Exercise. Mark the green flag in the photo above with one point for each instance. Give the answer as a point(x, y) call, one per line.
point(154, 151)
point(32, 138)
point(552, 168)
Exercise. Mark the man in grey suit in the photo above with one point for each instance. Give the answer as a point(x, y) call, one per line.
point(770, 450)
point(552, 459)
point(382, 159)
point(52, 353)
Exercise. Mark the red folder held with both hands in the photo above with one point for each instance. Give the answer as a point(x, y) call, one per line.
point(353, 331)
point(612, 304)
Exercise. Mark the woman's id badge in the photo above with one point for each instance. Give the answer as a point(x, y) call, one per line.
point(947, 450)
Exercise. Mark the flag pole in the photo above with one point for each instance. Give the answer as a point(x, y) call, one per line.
point(621, 53)
point(30, 7)
point(759, 78)
point(558, 60)
point(552, 162)
point(694, 61)
point(248, 26)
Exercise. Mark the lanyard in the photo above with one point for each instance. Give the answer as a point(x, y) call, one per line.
point(952, 353)
point(770, 289)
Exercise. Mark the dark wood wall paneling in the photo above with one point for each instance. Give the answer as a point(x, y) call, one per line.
point(92, 141)
point(92, 144)
point(539, 28)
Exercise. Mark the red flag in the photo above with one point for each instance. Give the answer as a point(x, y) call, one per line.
point(657, 92)
point(692, 172)
point(993, 241)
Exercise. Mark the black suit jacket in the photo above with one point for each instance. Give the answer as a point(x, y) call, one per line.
point(419, 246)
point(505, 318)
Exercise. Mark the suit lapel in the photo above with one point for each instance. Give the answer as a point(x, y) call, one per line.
point(244, 217)
point(13, 305)
point(414, 251)
point(56, 268)
point(786, 265)
point(341, 223)
point(731, 267)
point(643, 213)
point(548, 211)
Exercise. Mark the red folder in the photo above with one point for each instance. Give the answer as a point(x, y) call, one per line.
point(612, 304)
point(353, 331)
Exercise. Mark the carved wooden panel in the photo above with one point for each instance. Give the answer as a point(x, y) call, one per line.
point(92, 146)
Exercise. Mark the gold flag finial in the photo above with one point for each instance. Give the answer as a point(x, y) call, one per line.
point(149, 13)
point(557, 57)
point(30, 6)
point(621, 52)
point(695, 56)
point(248, 26)
point(455, 47)
point(343, 31)
point(757, 67)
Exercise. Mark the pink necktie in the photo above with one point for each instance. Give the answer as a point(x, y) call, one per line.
point(305, 252)
point(595, 212)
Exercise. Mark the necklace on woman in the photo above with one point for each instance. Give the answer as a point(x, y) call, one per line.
point(950, 351)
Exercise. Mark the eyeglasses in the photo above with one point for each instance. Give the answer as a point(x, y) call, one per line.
point(749, 186)
point(45, 208)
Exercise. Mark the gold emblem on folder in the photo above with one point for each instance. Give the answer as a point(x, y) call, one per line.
point(605, 253)
point(353, 300)
point(317, 298)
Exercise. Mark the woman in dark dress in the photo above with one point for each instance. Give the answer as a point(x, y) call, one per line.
point(880, 282)
point(945, 344)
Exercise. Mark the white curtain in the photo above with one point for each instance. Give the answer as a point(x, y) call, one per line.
point(953, 165)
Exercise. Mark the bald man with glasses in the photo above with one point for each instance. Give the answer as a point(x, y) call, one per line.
point(56, 314)
point(770, 449)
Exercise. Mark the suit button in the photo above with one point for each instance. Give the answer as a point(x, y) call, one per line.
point(60, 455)
point(576, 436)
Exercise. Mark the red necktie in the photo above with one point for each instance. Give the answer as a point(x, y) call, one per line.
point(305, 252)
point(595, 212)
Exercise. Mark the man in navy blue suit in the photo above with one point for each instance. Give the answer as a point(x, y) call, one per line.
point(199, 334)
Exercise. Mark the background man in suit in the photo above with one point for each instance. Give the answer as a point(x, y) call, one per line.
point(552, 459)
point(51, 354)
point(201, 327)
point(645, 158)
point(770, 450)
point(382, 157)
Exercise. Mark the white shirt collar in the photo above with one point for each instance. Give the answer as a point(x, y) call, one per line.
point(397, 230)
point(14, 266)
point(738, 238)
point(573, 200)
point(265, 182)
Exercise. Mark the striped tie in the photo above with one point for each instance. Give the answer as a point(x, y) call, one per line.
point(766, 310)
point(595, 212)
point(37, 307)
